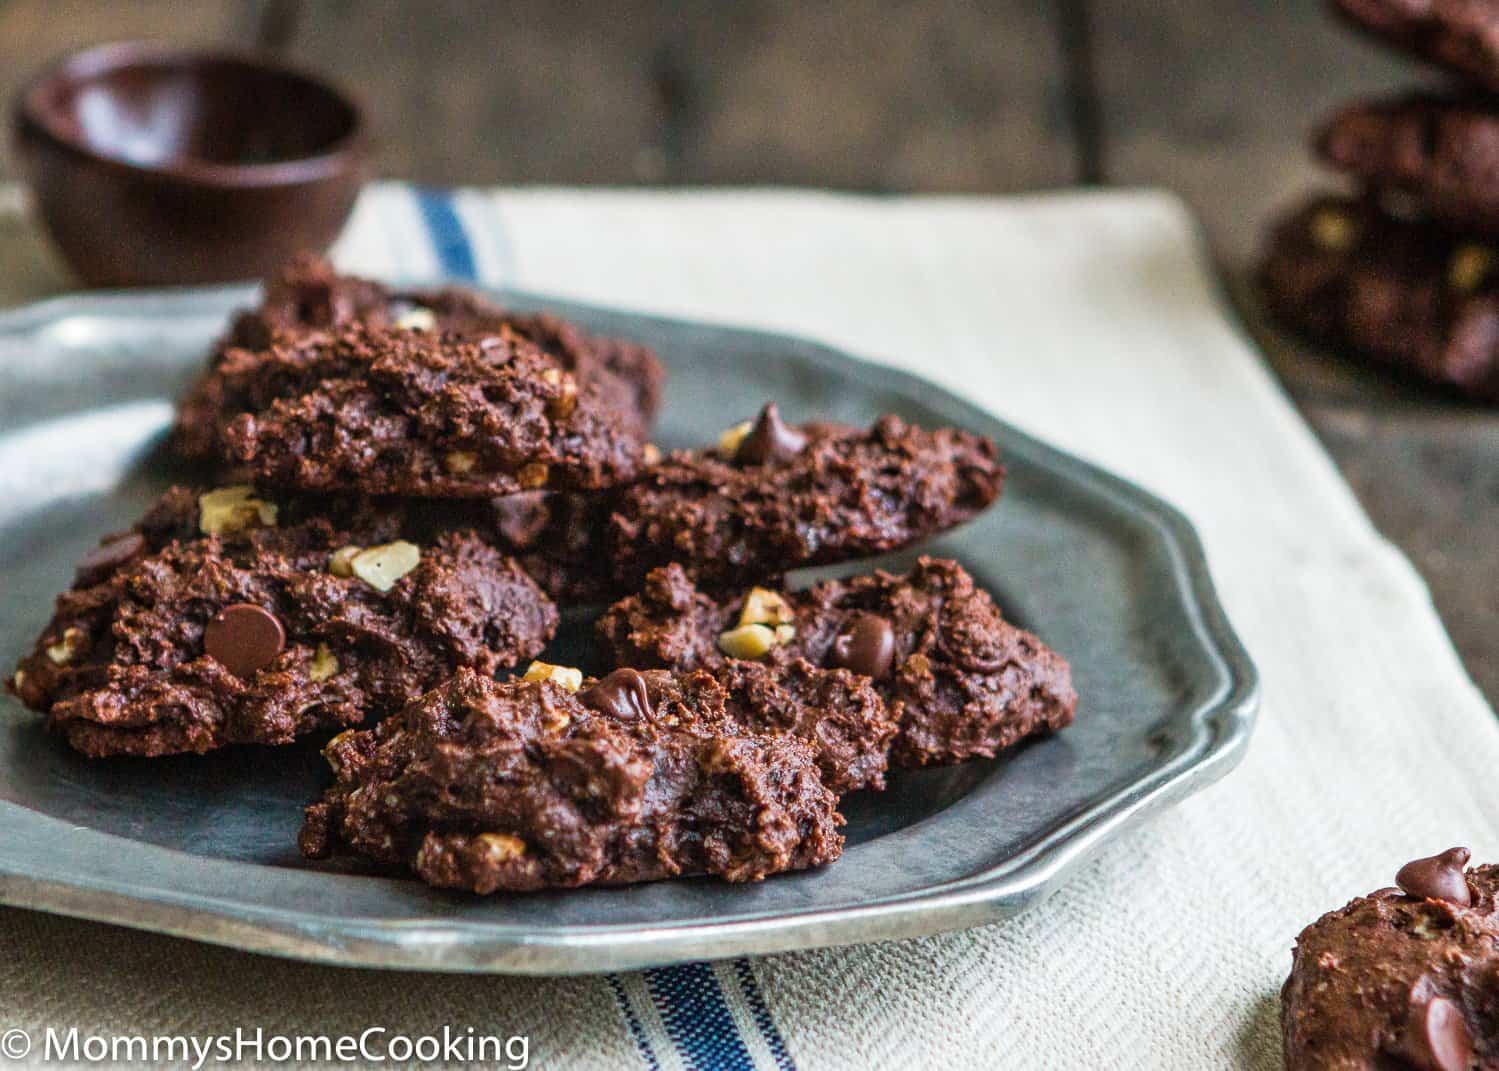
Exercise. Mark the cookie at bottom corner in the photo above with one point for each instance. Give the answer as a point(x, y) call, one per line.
point(1404, 978)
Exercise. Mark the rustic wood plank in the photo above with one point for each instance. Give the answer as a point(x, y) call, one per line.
point(35, 32)
point(477, 92)
point(864, 94)
point(870, 94)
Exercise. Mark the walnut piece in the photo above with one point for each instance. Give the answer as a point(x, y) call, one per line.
point(502, 847)
point(229, 510)
point(747, 642)
point(459, 461)
point(567, 677)
point(728, 442)
point(533, 475)
point(324, 664)
point(1469, 267)
point(340, 562)
point(1333, 230)
point(765, 607)
point(380, 567)
point(567, 399)
point(62, 652)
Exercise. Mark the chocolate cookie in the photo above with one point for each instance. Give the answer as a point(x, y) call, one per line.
point(556, 782)
point(229, 617)
point(961, 681)
point(397, 412)
point(1461, 35)
point(769, 498)
point(1441, 152)
point(839, 714)
point(309, 296)
point(1406, 977)
point(1408, 295)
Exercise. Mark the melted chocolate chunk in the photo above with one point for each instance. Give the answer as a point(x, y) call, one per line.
point(771, 439)
point(1437, 877)
point(1436, 1036)
point(108, 556)
point(865, 645)
point(622, 694)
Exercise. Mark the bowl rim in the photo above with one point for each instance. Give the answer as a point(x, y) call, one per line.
point(342, 155)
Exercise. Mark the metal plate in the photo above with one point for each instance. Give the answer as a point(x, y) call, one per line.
point(203, 847)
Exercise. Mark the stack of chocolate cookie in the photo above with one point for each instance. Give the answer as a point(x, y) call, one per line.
point(1404, 271)
point(400, 487)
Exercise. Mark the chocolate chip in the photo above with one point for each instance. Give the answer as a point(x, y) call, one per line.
point(521, 518)
point(1436, 1036)
point(107, 557)
point(769, 439)
point(1438, 877)
point(865, 644)
point(244, 638)
point(622, 694)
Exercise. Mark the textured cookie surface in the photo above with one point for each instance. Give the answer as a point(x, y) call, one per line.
point(309, 296)
point(844, 720)
point(1408, 295)
point(399, 412)
point(524, 785)
point(961, 682)
point(1443, 154)
point(826, 493)
point(1406, 978)
point(281, 623)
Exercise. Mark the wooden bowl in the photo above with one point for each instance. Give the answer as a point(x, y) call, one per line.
point(154, 164)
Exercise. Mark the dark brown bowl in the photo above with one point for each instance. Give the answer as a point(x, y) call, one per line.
point(154, 164)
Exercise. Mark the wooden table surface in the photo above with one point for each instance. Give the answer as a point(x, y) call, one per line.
point(1211, 98)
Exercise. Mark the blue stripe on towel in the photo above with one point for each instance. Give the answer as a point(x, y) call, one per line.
point(697, 1018)
point(687, 997)
point(761, 1013)
point(633, 1023)
point(449, 240)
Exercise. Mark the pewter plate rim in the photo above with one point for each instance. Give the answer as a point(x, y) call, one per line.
point(34, 870)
